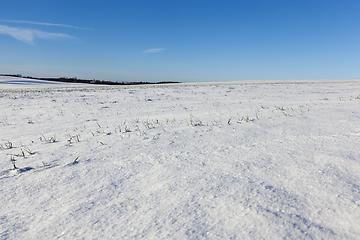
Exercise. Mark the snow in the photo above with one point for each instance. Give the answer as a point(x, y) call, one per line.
point(235, 160)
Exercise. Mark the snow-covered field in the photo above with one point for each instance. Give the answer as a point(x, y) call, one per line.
point(240, 160)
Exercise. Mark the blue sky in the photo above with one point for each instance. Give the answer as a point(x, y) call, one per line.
point(181, 40)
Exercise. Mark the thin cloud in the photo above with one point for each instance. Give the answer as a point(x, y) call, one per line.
point(153, 50)
point(29, 35)
point(44, 24)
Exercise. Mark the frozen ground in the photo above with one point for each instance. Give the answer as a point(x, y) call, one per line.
point(241, 160)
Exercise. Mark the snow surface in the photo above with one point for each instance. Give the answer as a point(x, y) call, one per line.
point(240, 160)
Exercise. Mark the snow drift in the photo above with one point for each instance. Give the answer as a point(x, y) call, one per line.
point(240, 160)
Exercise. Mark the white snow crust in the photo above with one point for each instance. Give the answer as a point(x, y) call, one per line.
point(238, 160)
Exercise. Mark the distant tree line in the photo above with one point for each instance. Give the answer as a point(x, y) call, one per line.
point(93, 81)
